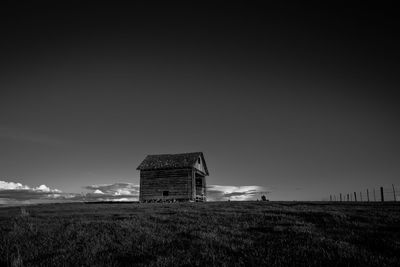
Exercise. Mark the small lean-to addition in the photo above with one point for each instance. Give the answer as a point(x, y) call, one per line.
point(173, 177)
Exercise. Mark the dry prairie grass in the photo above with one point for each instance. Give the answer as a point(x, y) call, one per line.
point(194, 234)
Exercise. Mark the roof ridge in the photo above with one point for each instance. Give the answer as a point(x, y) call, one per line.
point(168, 161)
point(174, 153)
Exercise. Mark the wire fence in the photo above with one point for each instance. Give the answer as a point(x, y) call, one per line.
point(380, 194)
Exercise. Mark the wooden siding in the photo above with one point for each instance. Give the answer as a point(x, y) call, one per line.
point(200, 166)
point(178, 183)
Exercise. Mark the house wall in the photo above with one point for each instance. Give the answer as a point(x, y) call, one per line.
point(200, 166)
point(177, 182)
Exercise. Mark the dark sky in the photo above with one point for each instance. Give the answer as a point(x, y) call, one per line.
point(299, 100)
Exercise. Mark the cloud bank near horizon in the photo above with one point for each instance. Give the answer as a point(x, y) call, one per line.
point(17, 193)
point(12, 193)
point(235, 193)
point(112, 192)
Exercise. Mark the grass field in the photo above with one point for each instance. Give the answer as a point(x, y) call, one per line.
point(207, 234)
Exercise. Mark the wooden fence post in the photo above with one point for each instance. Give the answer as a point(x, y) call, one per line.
point(348, 197)
point(374, 195)
point(367, 195)
point(360, 197)
point(330, 197)
point(355, 197)
point(382, 197)
point(340, 197)
point(394, 193)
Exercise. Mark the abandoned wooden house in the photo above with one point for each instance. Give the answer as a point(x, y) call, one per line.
point(173, 177)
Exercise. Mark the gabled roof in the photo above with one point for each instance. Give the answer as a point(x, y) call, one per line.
point(172, 161)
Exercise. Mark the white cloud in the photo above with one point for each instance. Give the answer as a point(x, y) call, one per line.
point(18, 186)
point(235, 193)
point(12, 193)
point(116, 189)
point(112, 192)
point(12, 186)
point(122, 199)
point(17, 193)
point(43, 188)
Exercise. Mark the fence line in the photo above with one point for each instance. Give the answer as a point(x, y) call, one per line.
point(380, 194)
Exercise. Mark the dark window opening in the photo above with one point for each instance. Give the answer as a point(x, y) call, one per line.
point(165, 193)
point(198, 160)
point(199, 182)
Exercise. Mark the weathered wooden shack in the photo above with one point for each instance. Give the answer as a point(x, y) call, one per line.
point(169, 177)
